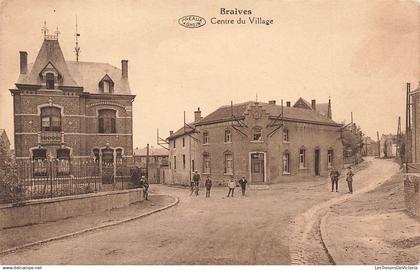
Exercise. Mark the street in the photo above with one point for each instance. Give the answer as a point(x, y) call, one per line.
point(242, 230)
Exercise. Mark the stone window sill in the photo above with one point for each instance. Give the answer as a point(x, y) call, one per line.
point(286, 173)
point(257, 141)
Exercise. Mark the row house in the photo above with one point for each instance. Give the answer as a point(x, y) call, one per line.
point(264, 142)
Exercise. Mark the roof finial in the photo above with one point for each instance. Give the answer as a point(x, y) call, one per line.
point(44, 29)
point(57, 32)
point(77, 48)
point(256, 97)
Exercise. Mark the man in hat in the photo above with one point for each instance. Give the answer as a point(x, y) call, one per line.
point(231, 186)
point(145, 186)
point(349, 179)
point(196, 179)
point(208, 186)
point(334, 174)
point(242, 183)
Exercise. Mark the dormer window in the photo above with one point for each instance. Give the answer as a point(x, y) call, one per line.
point(106, 85)
point(50, 76)
point(49, 80)
point(256, 134)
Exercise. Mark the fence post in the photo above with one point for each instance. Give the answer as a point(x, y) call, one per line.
point(51, 178)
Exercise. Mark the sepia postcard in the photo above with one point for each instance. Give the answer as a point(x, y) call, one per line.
point(222, 133)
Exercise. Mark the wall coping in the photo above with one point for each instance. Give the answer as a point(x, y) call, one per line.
point(68, 198)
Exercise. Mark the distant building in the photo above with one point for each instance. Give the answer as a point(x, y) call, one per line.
point(72, 110)
point(388, 146)
point(415, 145)
point(158, 163)
point(370, 147)
point(254, 139)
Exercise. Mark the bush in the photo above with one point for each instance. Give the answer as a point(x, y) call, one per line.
point(11, 189)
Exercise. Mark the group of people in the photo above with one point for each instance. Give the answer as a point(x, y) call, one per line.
point(335, 174)
point(195, 185)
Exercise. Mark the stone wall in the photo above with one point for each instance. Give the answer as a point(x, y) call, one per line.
point(47, 210)
point(411, 193)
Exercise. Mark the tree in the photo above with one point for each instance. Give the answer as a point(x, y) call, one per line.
point(352, 139)
point(11, 189)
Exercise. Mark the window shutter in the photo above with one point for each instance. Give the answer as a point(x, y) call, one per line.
point(101, 125)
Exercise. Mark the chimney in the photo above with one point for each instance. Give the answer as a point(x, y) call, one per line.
point(329, 109)
point(287, 103)
point(197, 115)
point(23, 62)
point(272, 102)
point(124, 68)
point(314, 104)
point(171, 132)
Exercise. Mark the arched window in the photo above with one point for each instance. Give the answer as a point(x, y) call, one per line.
point(205, 137)
point(228, 136)
point(206, 163)
point(107, 121)
point(286, 163)
point(50, 119)
point(49, 80)
point(302, 158)
point(256, 134)
point(285, 135)
point(228, 163)
point(330, 157)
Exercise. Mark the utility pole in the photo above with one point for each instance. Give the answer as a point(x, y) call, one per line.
point(379, 144)
point(407, 127)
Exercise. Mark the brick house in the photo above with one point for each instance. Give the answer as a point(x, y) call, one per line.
point(71, 110)
point(252, 139)
point(158, 163)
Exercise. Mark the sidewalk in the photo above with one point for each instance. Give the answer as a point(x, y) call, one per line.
point(20, 236)
point(373, 228)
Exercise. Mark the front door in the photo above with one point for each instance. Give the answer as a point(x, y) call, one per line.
point(316, 161)
point(107, 166)
point(257, 168)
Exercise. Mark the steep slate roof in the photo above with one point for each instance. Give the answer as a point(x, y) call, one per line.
point(75, 74)
point(50, 52)
point(152, 151)
point(290, 113)
point(88, 75)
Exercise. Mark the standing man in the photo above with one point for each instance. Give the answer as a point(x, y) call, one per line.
point(243, 183)
point(208, 186)
point(231, 186)
point(196, 179)
point(334, 174)
point(349, 179)
point(145, 186)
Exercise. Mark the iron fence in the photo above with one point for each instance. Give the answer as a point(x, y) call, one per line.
point(48, 178)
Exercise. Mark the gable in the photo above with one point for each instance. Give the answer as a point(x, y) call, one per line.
point(303, 104)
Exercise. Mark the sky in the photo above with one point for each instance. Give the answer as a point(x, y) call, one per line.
point(359, 53)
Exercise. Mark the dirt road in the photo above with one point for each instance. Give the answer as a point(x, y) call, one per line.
point(219, 230)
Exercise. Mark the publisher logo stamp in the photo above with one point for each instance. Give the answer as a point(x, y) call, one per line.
point(192, 21)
